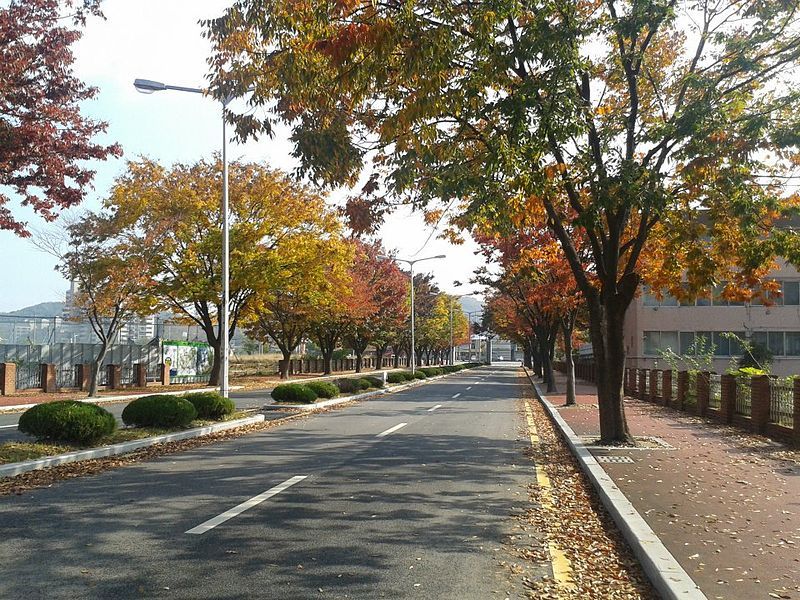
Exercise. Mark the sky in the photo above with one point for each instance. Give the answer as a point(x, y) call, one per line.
point(161, 40)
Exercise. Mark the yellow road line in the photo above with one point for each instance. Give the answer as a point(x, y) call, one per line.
point(562, 568)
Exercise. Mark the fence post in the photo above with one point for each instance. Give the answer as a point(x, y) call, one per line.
point(760, 401)
point(666, 387)
point(641, 389)
point(8, 378)
point(48, 378)
point(796, 421)
point(683, 387)
point(83, 376)
point(114, 377)
point(164, 373)
point(140, 375)
point(654, 376)
point(727, 402)
point(703, 392)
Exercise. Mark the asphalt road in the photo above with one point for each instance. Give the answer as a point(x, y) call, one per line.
point(245, 399)
point(419, 512)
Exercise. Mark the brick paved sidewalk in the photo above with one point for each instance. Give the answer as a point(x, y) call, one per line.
point(724, 502)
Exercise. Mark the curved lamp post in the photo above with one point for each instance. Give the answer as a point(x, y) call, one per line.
point(147, 86)
point(411, 263)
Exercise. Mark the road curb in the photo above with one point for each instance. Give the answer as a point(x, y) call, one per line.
point(111, 399)
point(334, 401)
point(665, 573)
point(13, 469)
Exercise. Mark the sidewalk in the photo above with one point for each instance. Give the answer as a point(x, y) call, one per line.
point(246, 383)
point(725, 503)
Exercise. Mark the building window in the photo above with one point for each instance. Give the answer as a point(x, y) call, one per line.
point(775, 342)
point(656, 342)
point(791, 293)
point(793, 343)
point(686, 341)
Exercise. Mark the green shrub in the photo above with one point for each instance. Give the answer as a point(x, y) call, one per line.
point(159, 410)
point(323, 389)
point(68, 421)
point(294, 393)
point(211, 405)
point(396, 377)
point(365, 383)
point(432, 371)
point(376, 382)
point(419, 375)
point(349, 386)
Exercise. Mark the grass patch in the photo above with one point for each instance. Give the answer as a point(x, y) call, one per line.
point(11, 452)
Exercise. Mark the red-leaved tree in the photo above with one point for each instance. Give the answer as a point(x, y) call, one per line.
point(44, 138)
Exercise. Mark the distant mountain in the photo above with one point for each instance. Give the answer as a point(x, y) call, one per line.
point(470, 304)
point(43, 309)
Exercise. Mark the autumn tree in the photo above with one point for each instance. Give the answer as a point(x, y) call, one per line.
point(178, 210)
point(303, 275)
point(110, 271)
point(619, 119)
point(377, 304)
point(44, 138)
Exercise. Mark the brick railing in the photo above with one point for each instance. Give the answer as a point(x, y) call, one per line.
point(761, 404)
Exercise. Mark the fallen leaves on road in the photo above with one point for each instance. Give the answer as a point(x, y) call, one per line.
point(45, 477)
point(603, 566)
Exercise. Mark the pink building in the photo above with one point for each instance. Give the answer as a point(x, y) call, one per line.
point(652, 325)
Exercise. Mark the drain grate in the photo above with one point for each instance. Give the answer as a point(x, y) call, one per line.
point(614, 459)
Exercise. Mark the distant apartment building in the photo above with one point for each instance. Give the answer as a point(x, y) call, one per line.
point(653, 325)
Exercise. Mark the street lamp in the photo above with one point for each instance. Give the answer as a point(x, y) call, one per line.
point(411, 263)
point(452, 343)
point(147, 86)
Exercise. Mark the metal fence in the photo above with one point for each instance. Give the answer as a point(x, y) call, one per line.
point(189, 378)
point(66, 377)
point(127, 375)
point(76, 354)
point(743, 404)
point(29, 376)
point(691, 389)
point(781, 402)
point(715, 391)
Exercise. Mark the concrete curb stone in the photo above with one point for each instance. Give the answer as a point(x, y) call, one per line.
point(13, 469)
point(665, 573)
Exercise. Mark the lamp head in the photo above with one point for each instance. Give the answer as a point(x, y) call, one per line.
point(147, 86)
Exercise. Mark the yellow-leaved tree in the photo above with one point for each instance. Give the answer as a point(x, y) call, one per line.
point(274, 223)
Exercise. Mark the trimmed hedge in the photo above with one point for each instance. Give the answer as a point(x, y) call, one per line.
point(211, 405)
point(365, 383)
point(348, 386)
point(419, 375)
point(159, 410)
point(376, 382)
point(68, 421)
point(323, 389)
point(294, 393)
point(432, 371)
point(396, 377)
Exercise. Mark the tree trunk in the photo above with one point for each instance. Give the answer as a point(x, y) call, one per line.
point(359, 359)
point(379, 352)
point(327, 356)
point(606, 321)
point(568, 361)
point(526, 357)
point(396, 361)
point(216, 364)
point(284, 364)
point(535, 357)
point(98, 361)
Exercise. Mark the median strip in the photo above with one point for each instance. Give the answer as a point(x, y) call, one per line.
point(391, 430)
point(246, 505)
